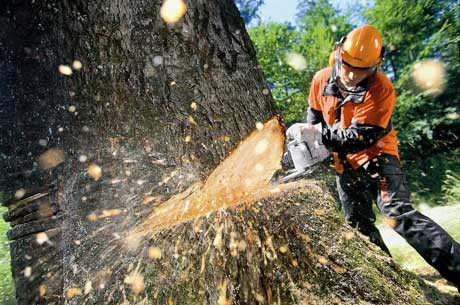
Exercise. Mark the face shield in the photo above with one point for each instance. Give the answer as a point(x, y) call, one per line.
point(357, 58)
point(349, 78)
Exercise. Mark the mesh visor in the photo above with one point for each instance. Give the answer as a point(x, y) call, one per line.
point(351, 79)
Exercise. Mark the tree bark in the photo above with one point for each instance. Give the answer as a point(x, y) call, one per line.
point(156, 106)
point(153, 111)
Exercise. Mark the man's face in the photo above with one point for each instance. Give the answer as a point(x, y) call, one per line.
point(352, 76)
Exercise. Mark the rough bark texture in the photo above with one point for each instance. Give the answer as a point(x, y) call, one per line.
point(134, 102)
point(289, 248)
point(139, 79)
point(156, 107)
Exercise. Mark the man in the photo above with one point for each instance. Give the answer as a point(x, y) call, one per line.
point(354, 102)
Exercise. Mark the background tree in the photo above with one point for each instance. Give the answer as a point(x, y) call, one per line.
point(110, 117)
point(249, 9)
point(426, 119)
point(318, 26)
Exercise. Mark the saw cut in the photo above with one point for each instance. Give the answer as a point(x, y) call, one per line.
point(239, 178)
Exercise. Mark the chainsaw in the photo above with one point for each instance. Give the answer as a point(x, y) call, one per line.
point(304, 150)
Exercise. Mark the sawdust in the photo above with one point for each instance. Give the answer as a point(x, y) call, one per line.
point(244, 176)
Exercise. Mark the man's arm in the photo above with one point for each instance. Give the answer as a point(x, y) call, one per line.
point(370, 122)
point(315, 116)
point(314, 111)
point(353, 139)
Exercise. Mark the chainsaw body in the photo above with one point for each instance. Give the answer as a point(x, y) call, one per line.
point(305, 149)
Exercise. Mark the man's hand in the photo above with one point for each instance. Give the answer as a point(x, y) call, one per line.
point(355, 138)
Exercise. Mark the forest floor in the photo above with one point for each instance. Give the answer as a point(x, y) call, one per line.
point(440, 291)
point(405, 255)
point(437, 290)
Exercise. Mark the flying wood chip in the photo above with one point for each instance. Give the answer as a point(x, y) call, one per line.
point(42, 290)
point(94, 171)
point(19, 194)
point(51, 158)
point(226, 186)
point(72, 292)
point(283, 249)
point(136, 281)
point(154, 252)
point(65, 70)
point(173, 10)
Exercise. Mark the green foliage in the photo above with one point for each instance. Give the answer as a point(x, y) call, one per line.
point(321, 13)
point(428, 179)
point(416, 31)
point(451, 187)
point(403, 26)
point(6, 281)
point(273, 42)
point(319, 26)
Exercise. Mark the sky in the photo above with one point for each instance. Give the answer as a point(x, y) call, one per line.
point(276, 10)
point(285, 10)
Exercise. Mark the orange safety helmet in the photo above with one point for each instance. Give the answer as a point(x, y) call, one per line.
point(362, 47)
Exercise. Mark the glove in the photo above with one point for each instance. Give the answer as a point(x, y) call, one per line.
point(301, 132)
point(327, 138)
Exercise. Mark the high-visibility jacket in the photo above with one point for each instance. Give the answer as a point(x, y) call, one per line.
point(360, 130)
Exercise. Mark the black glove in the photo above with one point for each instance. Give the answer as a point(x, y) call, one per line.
point(353, 139)
point(326, 137)
point(339, 139)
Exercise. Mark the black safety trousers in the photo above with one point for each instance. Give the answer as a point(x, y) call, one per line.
point(382, 180)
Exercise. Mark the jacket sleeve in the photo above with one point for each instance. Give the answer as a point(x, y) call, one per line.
point(315, 116)
point(314, 112)
point(370, 122)
point(353, 139)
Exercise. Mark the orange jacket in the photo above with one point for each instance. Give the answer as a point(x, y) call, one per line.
point(375, 110)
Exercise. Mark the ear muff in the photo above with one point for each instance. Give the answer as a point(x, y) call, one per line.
point(383, 52)
point(340, 42)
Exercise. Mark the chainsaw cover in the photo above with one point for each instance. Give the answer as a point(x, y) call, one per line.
point(304, 150)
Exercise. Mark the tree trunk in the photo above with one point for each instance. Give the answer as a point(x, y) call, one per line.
point(153, 111)
point(155, 106)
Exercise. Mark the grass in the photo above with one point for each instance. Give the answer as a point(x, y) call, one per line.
point(6, 282)
point(437, 180)
point(403, 253)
